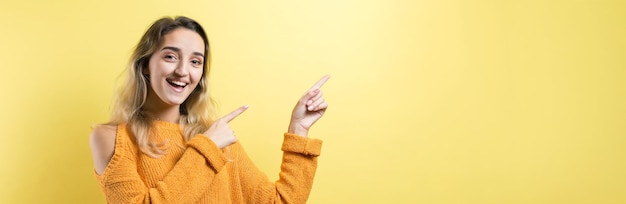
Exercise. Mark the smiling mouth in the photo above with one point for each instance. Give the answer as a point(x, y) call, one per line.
point(176, 83)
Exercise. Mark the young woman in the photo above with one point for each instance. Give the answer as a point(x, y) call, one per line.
point(163, 146)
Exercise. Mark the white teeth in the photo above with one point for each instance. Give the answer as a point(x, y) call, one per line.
point(178, 83)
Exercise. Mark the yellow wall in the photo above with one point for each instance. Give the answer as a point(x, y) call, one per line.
point(431, 101)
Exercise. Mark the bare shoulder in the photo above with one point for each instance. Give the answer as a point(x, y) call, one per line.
point(103, 132)
point(103, 136)
point(102, 142)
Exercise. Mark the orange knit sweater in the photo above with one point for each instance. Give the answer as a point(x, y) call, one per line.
point(199, 172)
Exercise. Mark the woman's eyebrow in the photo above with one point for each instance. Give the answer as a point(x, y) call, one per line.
point(175, 49)
point(198, 54)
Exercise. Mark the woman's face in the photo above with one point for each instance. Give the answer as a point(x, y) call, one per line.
point(176, 67)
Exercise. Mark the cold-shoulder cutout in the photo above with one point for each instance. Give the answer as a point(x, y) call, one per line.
point(102, 142)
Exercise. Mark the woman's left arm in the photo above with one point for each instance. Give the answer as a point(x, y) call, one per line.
point(297, 171)
point(299, 156)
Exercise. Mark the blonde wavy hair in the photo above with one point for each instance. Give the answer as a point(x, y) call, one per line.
point(197, 111)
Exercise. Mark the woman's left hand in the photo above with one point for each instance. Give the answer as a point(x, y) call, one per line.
point(310, 108)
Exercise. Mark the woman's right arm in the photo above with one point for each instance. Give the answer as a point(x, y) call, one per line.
point(102, 142)
point(187, 182)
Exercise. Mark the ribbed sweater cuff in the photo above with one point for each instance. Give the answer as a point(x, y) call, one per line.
point(214, 156)
point(302, 145)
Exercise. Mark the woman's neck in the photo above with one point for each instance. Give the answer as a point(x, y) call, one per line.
point(171, 114)
point(161, 111)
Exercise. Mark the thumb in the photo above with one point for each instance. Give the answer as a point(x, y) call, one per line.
point(235, 113)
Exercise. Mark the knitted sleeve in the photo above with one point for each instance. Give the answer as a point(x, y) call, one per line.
point(295, 178)
point(187, 182)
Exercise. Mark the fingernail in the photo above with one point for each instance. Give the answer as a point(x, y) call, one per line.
point(309, 102)
point(246, 106)
point(310, 108)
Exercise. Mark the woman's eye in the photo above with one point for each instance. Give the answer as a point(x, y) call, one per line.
point(170, 57)
point(196, 62)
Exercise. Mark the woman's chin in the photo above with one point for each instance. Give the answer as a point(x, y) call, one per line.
point(174, 101)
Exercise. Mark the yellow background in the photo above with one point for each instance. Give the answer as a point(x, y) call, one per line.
point(430, 101)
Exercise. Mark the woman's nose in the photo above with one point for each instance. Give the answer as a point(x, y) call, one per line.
point(182, 69)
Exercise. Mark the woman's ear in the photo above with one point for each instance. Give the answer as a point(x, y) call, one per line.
point(139, 63)
point(145, 71)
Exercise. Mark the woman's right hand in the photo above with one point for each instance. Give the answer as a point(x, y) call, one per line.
point(220, 132)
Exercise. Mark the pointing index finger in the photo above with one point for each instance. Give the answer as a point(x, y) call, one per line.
point(235, 113)
point(320, 82)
